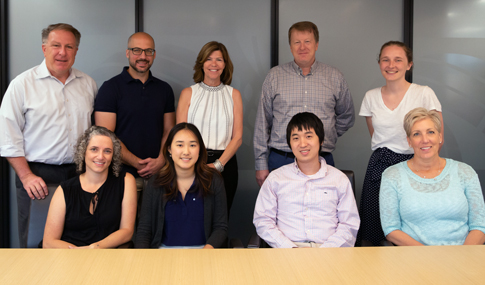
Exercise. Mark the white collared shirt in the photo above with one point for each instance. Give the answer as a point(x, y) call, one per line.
point(41, 118)
point(295, 207)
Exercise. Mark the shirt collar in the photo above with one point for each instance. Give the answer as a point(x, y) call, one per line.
point(128, 78)
point(322, 172)
point(43, 72)
point(299, 71)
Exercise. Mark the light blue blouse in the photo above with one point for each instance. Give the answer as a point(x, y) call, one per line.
point(437, 211)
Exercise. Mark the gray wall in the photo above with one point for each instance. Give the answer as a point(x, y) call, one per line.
point(449, 55)
point(449, 58)
point(104, 32)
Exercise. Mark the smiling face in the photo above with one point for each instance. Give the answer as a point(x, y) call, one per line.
point(394, 63)
point(305, 145)
point(213, 68)
point(184, 150)
point(303, 47)
point(60, 51)
point(140, 63)
point(99, 154)
point(424, 139)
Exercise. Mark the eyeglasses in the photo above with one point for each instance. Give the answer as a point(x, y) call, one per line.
point(139, 51)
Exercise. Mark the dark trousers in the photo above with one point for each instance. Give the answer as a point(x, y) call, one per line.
point(52, 175)
point(278, 158)
point(230, 175)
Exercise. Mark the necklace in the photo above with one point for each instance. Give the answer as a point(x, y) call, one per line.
point(424, 176)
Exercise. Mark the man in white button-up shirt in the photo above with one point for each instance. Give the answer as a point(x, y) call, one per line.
point(306, 203)
point(43, 112)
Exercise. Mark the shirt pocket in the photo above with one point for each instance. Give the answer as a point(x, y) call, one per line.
point(326, 202)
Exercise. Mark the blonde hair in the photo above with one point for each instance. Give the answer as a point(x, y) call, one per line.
point(418, 114)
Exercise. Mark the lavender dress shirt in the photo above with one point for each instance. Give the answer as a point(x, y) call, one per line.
point(295, 207)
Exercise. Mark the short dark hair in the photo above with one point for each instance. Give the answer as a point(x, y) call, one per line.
point(61, 26)
point(305, 121)
point(205, 52)
point(305, 26)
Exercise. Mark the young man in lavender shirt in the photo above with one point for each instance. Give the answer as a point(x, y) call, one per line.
point(306, 203)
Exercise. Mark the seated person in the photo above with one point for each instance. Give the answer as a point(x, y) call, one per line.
point(97, 208)
point(185, 204)
point(307, 203)
point(429, 200)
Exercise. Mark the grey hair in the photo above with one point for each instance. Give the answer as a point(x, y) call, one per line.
point(419, 114)
point(82, 145)
point(61, 26)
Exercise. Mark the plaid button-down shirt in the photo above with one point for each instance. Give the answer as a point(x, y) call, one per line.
point(286, 92)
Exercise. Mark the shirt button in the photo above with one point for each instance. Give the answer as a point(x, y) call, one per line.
point(305, 106)
point(306, 78)
point(306, 92)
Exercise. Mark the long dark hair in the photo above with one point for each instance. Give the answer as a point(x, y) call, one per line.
point(167, 177)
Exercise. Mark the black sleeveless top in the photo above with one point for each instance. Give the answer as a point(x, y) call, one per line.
point(80, 226)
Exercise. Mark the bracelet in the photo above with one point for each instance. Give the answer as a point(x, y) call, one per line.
point(218, 165)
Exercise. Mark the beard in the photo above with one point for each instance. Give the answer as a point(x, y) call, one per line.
point(133, 66)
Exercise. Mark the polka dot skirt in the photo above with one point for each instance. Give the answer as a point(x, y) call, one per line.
point(370, 222)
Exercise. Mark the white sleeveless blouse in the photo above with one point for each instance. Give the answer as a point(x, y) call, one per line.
point(211, 110)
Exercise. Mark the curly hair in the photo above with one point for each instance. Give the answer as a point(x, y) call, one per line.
point(167, 177)
point(205, 52)
point(82, 145)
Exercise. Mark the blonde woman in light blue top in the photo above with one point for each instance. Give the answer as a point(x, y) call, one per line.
point(429, 200)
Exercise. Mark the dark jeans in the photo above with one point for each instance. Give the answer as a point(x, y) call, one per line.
point(51, 174)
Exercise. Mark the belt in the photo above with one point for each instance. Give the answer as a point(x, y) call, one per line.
point(211, 152)
point(280, 152)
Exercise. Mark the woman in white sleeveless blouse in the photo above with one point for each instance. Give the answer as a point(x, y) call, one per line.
point(216, 109)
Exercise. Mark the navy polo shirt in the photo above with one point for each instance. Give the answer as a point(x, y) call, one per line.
point(139, 109)
point(184, 220)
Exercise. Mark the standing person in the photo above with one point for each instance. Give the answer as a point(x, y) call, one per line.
point(302, 85)
point(97, 208)
point(185, 204)
point(216, 109)
point(43, 112)
point(384, 109)
point(429, 200)
point(139, 109)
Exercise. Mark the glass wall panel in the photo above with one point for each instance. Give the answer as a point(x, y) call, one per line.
point(180, 29)
point(449, 56)
point(351, 34)
point(104, 26)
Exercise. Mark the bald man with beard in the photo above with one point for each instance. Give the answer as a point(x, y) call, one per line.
point(139, 109)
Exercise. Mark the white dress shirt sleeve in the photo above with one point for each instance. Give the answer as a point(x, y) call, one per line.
point(12, 121)
point(264, 220)
point(348, 219)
